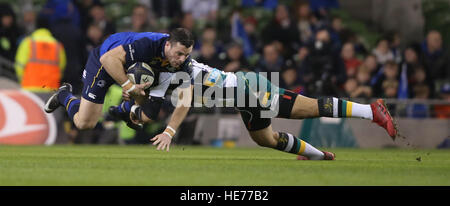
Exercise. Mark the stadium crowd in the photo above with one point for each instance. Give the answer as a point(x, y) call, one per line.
point(314, 51)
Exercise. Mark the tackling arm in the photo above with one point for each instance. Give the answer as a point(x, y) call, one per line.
point(183, 105)
point(182, 108)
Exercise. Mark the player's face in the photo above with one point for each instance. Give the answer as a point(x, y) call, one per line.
point(177, 53)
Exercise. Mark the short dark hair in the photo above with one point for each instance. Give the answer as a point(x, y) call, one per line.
point(183, 36)
point(391, 63)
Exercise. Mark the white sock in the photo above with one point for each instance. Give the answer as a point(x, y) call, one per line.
point(362, 110)
point(291, 144)
point(311, 152)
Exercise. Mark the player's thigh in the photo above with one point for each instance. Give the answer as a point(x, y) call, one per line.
point(264, 137)
point(88, 114)
point(304, 107)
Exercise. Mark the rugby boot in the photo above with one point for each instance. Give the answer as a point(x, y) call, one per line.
point(53, 103)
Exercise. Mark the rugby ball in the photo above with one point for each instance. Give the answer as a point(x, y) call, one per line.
point(140, 73)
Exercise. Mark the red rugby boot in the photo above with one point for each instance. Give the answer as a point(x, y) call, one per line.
point(382, 117)
point(327, 156)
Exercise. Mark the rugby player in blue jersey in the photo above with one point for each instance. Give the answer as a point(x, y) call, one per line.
point(106, 65)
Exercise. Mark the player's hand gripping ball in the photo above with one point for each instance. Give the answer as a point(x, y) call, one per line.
point(141, 73)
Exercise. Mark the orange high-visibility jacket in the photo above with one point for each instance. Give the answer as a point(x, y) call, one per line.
point(40, 62)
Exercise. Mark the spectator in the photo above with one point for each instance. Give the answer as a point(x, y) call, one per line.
point(28, 24)
point(250, 27)
point(390, 70)
point(359, 87)
point(350, 87)
point(394, 45)
point(289, 79)
point(411, 60)
point(420, 88)
point(370, 63)
point(382, 51)
point(347, 35)
point(272, 61)
point(142, 20)
point(235, 60)
point(304, 26)
point(209, 36)
point(435, 59)
point(420, 91)
point(336, 30)
point(94, 36)
point(188, 22)
point(390, 89)
point(209, 56)
point(54, 10)
point(351, 62)
point(317, 22)
point(98, 17)
point(200, 9)
point(9, 32)
point(323, 71)
point(363, 78)
point(210, 47)
point(389, 81)
point(284, 30)
point(301, 55)
point(40, 60)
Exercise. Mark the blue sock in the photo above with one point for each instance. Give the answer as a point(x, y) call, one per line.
point(70, 103)
point(62, 97)
point(125, 106)
point(73, 105)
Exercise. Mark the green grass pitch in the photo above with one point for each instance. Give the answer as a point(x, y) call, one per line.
point(190, 166)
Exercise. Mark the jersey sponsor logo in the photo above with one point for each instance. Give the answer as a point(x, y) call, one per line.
point(212, 78)
point(93, 96)
point(101, 83)
point(23, 120)
point(131, 51)
point(328, 106)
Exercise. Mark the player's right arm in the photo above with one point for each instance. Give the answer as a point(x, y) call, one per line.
point(113, 62)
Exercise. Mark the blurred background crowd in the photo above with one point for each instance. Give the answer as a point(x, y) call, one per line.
point(317, 48)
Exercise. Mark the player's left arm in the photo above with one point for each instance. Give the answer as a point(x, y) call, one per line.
point(164, 139)
point(113, 61)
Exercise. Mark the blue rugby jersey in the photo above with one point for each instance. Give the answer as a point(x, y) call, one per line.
point(145, 47)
